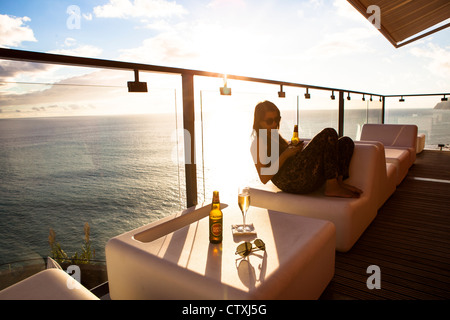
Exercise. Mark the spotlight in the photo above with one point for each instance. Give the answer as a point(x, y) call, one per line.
point(401, 99)
point(136, 86)
point(380, 98)
point(348, 96)
point(363, 98)
point(444, 98)
point(281, 93)
point(225, 91)
point(332, 95)
point(307, 95)
point(371, 98)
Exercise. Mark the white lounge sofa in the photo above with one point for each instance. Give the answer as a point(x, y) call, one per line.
point(420, 142)
point(400, 144)
point(351, 217)
point(387, 173)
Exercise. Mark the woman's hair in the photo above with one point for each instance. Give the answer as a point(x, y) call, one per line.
point(260, 112)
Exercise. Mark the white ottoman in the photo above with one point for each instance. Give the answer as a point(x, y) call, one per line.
point(173, 259)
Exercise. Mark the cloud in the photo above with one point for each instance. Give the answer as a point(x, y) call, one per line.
point(159, 25)
point(11, 69)
point(168, 48)
point(350, 41)
point(139, 8)
point(99, 92)
point(21, 71)
point(316, 3)
point(80, 51)
point(346, 10)
point(70, 42)
point(62, 93)
point(227, 3)
point(439, 58)
point(13, 31)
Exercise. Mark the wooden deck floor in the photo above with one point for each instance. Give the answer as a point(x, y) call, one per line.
point(409, 240)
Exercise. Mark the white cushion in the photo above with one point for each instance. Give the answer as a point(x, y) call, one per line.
point(401, 159)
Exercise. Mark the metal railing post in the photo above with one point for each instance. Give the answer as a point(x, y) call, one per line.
point(341, 114)
point(189, 142)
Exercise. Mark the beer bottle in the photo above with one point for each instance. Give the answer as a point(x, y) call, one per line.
point(215, 220)
point(295, 140)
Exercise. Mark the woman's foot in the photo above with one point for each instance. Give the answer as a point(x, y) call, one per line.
point(334, 189)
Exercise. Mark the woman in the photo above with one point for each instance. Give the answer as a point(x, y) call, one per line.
point(325, 160)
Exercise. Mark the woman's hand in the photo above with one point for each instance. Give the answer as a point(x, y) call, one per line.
point(293, 149)
point(287, 153)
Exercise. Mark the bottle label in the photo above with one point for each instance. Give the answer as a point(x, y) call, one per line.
point(216, 229)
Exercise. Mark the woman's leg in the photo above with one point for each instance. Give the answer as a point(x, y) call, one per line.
point(317, 164)
point(337, 154)
point(304, 172)
point(345, 153)
point(307, 170)
point(346, 147)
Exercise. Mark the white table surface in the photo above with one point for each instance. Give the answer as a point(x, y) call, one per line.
point(290, 240)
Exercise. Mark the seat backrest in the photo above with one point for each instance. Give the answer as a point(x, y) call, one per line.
point(398, 135)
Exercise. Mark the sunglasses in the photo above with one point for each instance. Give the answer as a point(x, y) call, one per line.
point(244, 249)
point(270, 121)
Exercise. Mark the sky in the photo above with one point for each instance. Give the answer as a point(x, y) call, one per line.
point(317, 42)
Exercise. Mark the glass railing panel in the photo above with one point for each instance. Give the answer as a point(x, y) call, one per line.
point(227, 127)
point(374, 110)
point(80, 151)
point(224, 138)
point(429, 113)
point(355, 115)
point(317, 112)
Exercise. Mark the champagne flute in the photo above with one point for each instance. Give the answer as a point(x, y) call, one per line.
point(244, 203)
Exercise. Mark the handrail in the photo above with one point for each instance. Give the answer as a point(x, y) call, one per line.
point(416, 95)
point(40, 57)
point(22, 55)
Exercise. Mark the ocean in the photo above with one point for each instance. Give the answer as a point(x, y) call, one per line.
point(120, 172)
point(112, 172)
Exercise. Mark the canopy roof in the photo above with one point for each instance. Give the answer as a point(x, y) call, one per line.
point(403, 19)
